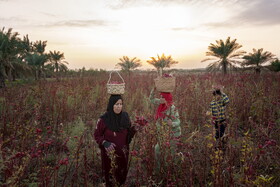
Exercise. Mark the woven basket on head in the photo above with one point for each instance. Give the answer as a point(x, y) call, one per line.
point(165, 84)
point(114, 88)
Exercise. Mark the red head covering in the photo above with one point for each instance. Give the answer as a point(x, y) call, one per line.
point(163, 107)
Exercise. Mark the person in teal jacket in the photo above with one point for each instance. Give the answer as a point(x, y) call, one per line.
point(167, 123)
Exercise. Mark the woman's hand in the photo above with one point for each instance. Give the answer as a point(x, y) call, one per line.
point(109, 146)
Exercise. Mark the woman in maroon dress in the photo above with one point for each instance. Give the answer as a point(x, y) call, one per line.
point(113, 134)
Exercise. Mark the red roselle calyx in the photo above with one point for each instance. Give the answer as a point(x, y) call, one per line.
point(141, 121)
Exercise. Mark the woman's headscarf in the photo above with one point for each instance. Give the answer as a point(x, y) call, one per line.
point(164, 106)
point(115, 122)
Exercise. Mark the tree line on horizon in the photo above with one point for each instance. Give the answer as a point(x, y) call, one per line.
point(223, 56)
point(21, 57)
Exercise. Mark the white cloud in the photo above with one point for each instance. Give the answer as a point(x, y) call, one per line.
point(261, 12)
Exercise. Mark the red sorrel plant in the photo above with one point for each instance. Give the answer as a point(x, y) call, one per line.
point(37, 125)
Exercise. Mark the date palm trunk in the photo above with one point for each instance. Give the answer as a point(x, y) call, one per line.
point(224, 67)
point(2, 81)
point(258, 69)
point(10, 77)
point(56, 72)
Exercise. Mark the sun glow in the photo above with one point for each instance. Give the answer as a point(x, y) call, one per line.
point(144, 33)
point(149, 31)
point(153, 19)
point(95, 34)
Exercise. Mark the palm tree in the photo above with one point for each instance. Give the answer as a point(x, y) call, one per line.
point(128, 64)
point(162, 62)
point(37, 62)
point(257, 58)
point(26, 47)
point(20, 66)
point(40, 46)
point(56, 58)
point(225, 54)
point(8, 53)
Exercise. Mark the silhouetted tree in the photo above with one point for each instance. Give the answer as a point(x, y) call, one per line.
point(162, 62)
point(257, 58)
point(225, 54)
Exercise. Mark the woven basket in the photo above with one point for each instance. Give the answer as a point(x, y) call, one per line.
point(115, 88)
point(165, 84)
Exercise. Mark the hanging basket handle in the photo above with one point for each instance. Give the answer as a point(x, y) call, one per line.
point(111, 74)
point(160, 71)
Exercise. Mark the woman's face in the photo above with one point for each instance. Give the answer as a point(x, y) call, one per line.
point(118, 106)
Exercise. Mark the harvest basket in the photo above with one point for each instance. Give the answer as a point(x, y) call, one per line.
point(165, 84)
point(115, 88)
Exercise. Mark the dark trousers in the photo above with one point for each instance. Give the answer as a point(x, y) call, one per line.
point(220, 127)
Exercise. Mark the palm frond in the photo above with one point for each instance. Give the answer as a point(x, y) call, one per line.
point(227, 52)
point(208, 59)
point(128, 64)
point(258, 57)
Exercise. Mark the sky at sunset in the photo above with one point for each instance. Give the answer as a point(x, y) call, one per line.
point(96, 33)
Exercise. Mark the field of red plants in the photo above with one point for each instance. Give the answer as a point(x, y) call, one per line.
point(47, 127)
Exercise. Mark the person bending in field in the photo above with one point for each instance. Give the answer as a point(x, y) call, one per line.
point(218, 111)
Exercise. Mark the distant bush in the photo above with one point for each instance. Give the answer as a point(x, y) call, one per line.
point(275, 65)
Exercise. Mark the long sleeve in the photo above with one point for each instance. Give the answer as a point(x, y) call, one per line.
point(99, 132)
point(218, 108)
point(131, 130)
point(174, 116)
point(176, 120)
point(225, 99)
point(131, 133)
point(153, 99)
